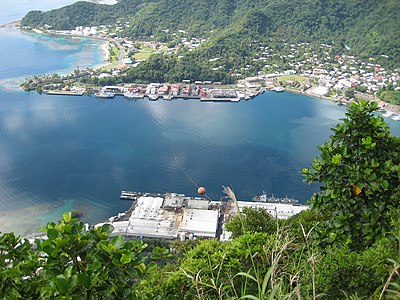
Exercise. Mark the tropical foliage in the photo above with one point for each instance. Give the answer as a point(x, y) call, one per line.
point(359, 169)
point(72, 263)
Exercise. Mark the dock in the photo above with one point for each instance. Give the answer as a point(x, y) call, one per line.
point(133, 196)
point(177, 216)
point(65, 93)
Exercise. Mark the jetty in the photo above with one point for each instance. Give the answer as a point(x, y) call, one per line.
point(65, 93)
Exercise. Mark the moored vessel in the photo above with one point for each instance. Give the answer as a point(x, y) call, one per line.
point(272, 199)
point(133, 95)
point(104, 94)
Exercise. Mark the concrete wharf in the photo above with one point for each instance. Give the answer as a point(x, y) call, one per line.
point(65, 93)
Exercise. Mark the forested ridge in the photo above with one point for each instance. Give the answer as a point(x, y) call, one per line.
point(369, 27)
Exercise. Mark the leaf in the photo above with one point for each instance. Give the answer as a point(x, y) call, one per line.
point(141, 268)
point(73, 282)
point(118, 241)
point(52, 233)
point(337, 159)
point(267, 278)
point(247, 275)
point(16, 294)
point(107, 228)
point(126, 259)
point(249, 297)
point(84, 280)
point(67, 216)
point(62, 284)
point(68, 272)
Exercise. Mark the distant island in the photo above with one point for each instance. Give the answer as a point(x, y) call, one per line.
point(325, 49)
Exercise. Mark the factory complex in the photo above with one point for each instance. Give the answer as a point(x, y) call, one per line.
point(176, 216)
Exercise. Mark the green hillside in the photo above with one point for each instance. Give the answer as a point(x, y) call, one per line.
point(369, 26)
point(235, 30)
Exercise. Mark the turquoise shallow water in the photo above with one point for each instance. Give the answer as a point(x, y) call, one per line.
point(59, 153)
point(27, 54)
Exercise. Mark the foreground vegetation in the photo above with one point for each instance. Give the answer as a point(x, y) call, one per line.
point(347, 246)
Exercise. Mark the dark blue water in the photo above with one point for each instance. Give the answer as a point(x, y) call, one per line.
point(80, 152)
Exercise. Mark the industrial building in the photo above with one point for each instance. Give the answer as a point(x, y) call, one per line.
point(175, 216)
point(169, 216)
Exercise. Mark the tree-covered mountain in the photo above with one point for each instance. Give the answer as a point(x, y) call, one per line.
point(369, 26)
point(235, 30)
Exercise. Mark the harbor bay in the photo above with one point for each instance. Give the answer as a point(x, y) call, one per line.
point(66, 153)
point(59, 153)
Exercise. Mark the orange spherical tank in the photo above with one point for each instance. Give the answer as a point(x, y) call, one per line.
point(201, 190)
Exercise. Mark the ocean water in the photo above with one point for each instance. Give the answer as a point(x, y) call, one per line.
point(80, 152)
point(12, 10)
point(59, 153)
point(27, 54)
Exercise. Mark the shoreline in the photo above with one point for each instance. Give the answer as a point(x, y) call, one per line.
point(106, 55)
point(10, 25)
point(104, 47)
point(390, 107)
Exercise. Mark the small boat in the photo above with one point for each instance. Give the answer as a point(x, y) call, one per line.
point(133, 95)
point(104, 94)
point(168, 97)
point(279, 89)
point(388, 114)
point(153, 97)
point(272, 199)
point(396, 117)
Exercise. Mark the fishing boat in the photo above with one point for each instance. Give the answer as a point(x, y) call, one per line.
point(387, 114)
point(279, 89)
point(104, 94)
point(272, 199)
point(396, 117)
point(153, 97)
point(168, 97)
point(133, 95)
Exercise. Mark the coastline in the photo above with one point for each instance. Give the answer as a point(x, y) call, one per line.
point(104, 47)
point(390, 107)
point(106, 55)
point(11, 220)
point(12, 24)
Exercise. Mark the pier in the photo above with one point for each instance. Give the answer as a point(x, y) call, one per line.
point(157, 91)
point(65, 93)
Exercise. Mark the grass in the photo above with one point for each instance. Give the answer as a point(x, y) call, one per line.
point(293, 78)
point(114, 53)
point(142, 55)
